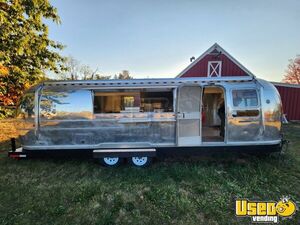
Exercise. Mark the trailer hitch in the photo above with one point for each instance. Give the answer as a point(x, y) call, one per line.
point(13, 144)
point(16, 153)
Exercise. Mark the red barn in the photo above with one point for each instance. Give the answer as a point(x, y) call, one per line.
point(216, 62)
point(290, 97)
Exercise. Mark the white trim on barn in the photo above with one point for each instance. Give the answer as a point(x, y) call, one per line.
point(208, 51)
point(214, 69)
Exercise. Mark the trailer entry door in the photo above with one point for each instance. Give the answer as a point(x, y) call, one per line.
point(189, 115)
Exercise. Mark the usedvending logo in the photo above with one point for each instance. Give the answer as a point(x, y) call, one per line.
point(265, 211)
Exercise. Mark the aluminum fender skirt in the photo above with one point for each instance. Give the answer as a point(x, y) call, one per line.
point(124, 153)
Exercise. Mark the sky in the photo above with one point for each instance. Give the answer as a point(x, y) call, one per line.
point(156, 38)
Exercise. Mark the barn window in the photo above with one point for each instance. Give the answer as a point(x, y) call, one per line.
point(214, 68)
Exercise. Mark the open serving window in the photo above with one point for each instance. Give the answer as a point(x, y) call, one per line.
point(138, 101)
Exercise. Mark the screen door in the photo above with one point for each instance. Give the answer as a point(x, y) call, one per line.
point(189, 115)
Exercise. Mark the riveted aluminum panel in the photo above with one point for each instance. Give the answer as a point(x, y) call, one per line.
point(243, 128)
point(67, 121)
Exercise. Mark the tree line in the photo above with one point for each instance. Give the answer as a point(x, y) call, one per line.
point(78, 71)
point(27, 52)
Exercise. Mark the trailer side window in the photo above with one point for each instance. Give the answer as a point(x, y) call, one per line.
point(244, 98)
point(246, 102)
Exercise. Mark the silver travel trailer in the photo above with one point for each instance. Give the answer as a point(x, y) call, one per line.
point(143, 118)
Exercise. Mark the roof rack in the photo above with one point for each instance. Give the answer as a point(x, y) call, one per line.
point(149, 82)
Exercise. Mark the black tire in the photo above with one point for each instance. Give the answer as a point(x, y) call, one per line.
point(111, 161)
point(143, 161)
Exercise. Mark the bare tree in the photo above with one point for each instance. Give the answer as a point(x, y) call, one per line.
point(77, 71)
point(124, 75)
point(72, 69)
point(101, 77)
point(292, 75)
point(86, 72)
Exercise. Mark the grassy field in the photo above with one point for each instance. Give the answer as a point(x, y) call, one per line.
point(171, 191)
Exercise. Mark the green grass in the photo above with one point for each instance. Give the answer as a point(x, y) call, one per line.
point(172, 191)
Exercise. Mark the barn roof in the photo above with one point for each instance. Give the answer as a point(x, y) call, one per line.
point(286, 85)
point(216, 49)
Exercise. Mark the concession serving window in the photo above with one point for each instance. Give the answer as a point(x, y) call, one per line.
point(144, 100)
point(116, 102)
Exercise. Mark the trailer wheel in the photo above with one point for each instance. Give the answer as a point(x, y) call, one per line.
point(140, 161)
point(111, 161)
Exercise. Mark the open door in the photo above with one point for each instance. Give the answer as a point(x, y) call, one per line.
point(214, 112)
point(189, 115)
